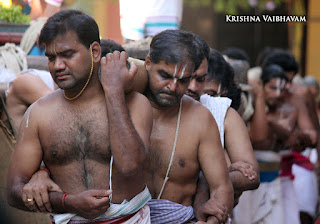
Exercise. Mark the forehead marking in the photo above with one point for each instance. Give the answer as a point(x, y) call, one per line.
point(177, 71)
point(219, 89)
point(280, 84)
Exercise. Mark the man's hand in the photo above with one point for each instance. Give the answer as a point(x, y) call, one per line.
point(212, 210)
point(245, 168)
point(114, 71)
point(257, 88)
point(38, 189)
point(88, 204)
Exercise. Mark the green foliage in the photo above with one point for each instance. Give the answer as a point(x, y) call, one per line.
point(13, 15)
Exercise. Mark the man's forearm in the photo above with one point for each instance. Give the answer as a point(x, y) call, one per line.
point(127, 147)
point(241, 183)
point(15, 199)
point(202, 194)
point(225, 195)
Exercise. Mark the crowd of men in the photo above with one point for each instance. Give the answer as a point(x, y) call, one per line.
point(189, 135)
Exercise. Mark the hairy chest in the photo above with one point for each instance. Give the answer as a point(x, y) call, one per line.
point(70, 136)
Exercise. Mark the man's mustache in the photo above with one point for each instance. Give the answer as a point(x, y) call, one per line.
point(169, 93)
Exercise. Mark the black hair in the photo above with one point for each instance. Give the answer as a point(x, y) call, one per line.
point(174, 47)
point(221, 71)
point(236, 53)
point(109, 46)
point(203, 49)
point(284, 59)
point(263, 54)
point(272, 71)
point(70, 20)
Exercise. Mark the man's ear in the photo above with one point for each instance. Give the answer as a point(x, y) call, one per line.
point(96, 52)
point(147, 63)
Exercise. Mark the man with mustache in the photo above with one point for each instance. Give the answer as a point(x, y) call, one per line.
point(184, 138)
point(92, 136)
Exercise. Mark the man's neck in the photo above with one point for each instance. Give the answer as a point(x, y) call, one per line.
point(161, 111)
point(93, 90)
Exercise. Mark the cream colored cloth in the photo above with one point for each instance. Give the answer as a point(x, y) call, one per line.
point(116, 210)
point(261, 206)
point(218, 107)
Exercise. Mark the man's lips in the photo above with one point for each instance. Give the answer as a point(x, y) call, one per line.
point(62, 75)
point(167, 95)
point(194, 96)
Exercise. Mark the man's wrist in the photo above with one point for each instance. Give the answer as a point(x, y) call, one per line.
point(67, 203)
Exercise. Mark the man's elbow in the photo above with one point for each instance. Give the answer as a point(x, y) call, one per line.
point(255, 183)
point(133, 165)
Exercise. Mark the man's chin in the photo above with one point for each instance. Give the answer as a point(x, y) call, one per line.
point(167, 103)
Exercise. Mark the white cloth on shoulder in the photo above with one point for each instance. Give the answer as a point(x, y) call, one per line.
point(218, 107)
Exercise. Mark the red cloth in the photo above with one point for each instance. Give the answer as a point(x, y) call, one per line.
point(293, 158)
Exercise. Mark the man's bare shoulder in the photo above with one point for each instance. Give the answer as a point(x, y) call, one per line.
point(232, 116)
point(137, 101)
point(196, 110)
point(295, 99)
point(46, 102)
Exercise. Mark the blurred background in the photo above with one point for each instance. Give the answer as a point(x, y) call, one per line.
point(208, 19)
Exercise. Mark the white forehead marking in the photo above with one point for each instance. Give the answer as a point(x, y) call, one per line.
point(283, 84)
point(175, 71)
point(280, 83)
point(219, 89)
point(182, 73)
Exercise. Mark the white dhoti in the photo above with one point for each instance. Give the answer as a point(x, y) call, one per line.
point(129, 212)
point(260, 206)
point(263, 205)
point(306, 188)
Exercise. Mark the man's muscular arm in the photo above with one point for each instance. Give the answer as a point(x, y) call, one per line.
point(213, 163)
point(239, 149)
point(304, 121)
point(128, 142)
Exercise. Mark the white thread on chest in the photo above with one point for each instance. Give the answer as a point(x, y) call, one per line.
point(173, 151)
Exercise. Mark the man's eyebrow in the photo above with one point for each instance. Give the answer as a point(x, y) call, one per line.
point(61, 52)
point(164, 72)
point(204, 75)
point(186, 78)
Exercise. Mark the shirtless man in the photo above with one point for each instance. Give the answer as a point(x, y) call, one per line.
point(288, 63)
point(170, 70)
point(289, 128)
point(243, 167)
point(91, 136)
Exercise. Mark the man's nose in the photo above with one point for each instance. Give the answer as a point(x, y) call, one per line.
point(59, 64)
point(193, 86)
point(173, 85)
